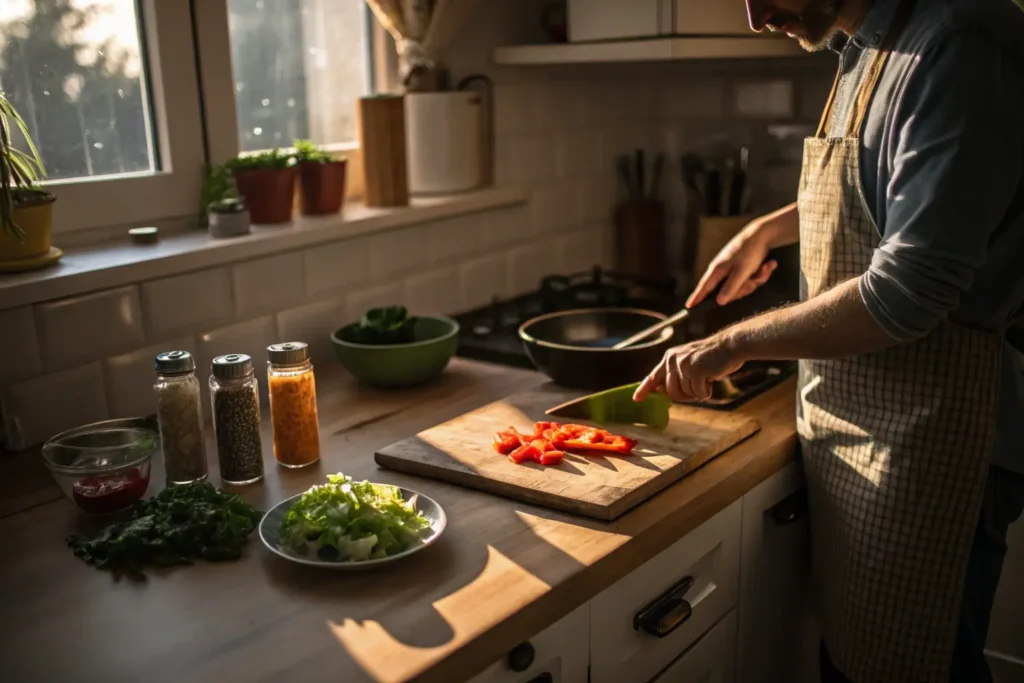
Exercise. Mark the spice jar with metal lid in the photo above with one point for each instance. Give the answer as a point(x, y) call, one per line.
point(180, 416)
point(236, 419)
point(293, 404)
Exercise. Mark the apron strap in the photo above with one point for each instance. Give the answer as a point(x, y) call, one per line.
point(869, 83)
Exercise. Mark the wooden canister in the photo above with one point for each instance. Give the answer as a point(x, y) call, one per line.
point(381, 124)
point(640, 238)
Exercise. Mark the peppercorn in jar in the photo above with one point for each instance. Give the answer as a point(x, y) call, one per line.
point(293, 412)
point(236, 419)
point(180, 416)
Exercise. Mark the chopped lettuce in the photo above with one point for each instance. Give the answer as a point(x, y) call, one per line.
point(352, 521)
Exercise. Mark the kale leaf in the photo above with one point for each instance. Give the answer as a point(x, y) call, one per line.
point(177, 526)
point(389, 325)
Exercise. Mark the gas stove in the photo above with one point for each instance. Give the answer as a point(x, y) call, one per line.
point(491, 333)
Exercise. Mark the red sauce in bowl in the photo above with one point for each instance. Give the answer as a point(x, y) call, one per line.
point(109, 494)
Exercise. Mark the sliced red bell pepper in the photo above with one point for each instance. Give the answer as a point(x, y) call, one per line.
point(507, 441)
point(620, 445)
point(525, 453)
point(551, 458)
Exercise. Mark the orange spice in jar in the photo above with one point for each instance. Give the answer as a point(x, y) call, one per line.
point(293, 413)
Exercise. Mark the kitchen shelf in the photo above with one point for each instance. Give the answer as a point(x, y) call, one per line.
point(649, 50)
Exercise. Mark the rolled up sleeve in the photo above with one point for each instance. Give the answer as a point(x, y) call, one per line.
point(955, 156)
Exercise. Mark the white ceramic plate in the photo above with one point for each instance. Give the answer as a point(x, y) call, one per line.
point(270, 525)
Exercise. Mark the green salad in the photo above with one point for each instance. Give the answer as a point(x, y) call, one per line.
point(352, 521)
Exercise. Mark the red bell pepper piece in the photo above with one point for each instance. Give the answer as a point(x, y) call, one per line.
point(507, 441)
point(525, 453)
point(620, 445)
point(551, 458)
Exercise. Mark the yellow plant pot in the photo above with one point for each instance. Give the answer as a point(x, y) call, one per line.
point(35, 218)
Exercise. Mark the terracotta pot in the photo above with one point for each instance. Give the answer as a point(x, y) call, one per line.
point(35, 218)
point(268, 193)
point(322, 187)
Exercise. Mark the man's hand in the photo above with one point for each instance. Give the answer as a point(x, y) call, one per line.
point(686, 372)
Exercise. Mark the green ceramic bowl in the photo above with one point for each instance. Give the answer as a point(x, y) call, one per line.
point(401, 365)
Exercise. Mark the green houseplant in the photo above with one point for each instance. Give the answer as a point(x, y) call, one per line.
point(26, 211)
point(267, 183)
point(321, 179)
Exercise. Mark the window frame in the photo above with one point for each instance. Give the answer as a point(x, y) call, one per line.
point(130, 199)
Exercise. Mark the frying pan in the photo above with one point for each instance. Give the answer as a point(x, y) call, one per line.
point(574, 348)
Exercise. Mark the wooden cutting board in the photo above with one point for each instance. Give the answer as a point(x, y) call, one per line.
point(460, 451)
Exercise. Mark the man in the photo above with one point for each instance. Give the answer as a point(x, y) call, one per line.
point(910, 218)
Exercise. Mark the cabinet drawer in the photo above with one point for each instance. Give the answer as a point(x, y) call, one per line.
point(711, 660)
point(708, 558)
point(558, 654)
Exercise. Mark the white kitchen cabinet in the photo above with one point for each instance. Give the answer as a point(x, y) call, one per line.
point(711, 660)
point(777, 637)
point(558, 654)
point(646, 620)
point(596, 20)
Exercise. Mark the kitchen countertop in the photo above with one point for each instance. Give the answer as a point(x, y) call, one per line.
point(502, 572)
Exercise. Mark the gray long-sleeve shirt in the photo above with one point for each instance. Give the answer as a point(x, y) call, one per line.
point(942, 165)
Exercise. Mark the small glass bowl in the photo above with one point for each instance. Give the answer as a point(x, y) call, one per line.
point(103, 468)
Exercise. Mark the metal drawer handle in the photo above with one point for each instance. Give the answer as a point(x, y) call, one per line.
point(791, 509)
point(667, 613)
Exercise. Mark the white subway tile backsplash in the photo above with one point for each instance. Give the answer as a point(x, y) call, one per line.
point(37, 408)
point(482, 279)
point(624, 139)
point(19, 348)
point(396, 253)
point(84, 328)
point(691, 98)
point(578, 153)
point(514, 108)
point(580, 251)
point(359, 301)
point(268, 284)
point(528, 264)
point(499, 229)
point(557, 207)
point(454, 239)
point(600, 195)
point(130, 378)
point(187, 302)
point(764, 99)
point(313, 324)
point(530, 159)
point(435, 293)
point(332, 267)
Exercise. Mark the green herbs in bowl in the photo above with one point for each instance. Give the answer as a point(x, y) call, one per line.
point(350, 524)
point(388, 348)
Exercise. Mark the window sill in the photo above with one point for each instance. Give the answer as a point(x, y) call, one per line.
point(113, 264)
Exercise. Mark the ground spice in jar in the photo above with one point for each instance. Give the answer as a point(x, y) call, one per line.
point(293, 412)
point(236, 419)
point(180, 417)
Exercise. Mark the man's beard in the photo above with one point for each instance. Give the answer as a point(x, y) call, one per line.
point(814, 28)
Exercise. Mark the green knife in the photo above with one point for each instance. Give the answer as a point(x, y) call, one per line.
point(616, 406)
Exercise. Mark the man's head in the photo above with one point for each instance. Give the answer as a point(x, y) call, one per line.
point(811, 22)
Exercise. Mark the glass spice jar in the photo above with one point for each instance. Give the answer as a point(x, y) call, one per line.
point(293, 404)
point(180, 416)
point(236, 419)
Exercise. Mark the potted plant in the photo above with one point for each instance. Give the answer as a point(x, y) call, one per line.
point(321, 179)
point(267, 183)
point(26, 211)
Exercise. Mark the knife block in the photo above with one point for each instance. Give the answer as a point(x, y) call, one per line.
point(640, 238)
point(380, 121)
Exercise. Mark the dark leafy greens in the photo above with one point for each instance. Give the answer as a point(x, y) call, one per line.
point(389, 325)
point(177, 526)
point(352, 521)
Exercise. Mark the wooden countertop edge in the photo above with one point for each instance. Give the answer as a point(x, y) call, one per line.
point(765, 453)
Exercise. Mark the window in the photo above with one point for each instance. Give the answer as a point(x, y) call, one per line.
point(75, 71)
point(128, 100)
point(298, 68)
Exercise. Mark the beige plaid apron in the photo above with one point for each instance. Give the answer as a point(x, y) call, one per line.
point(895, 443)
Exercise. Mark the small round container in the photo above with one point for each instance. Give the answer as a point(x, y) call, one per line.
point(236, 419)
point(180, 414)
point(293, 413)
point(103, 468)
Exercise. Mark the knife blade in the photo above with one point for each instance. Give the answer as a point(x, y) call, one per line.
point(616, 406)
